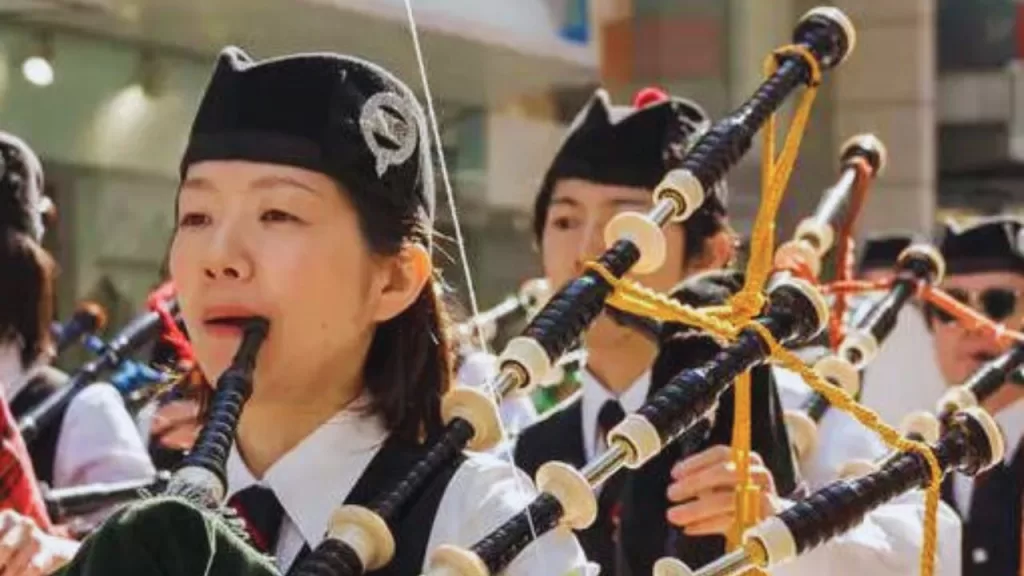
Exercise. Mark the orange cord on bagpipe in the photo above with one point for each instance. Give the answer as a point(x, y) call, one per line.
point(845, 257)
point(964, 314)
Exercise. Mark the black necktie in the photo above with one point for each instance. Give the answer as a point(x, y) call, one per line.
point(262, 512)
point(609, 417)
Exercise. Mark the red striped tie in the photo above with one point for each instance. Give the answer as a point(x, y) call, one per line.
point(262, 512)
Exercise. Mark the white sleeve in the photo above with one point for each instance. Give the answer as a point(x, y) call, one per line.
point(477, 368)
point(841, 439)
point(482, 495)
point(99, 441)
point(887, 543)
point(792, 388)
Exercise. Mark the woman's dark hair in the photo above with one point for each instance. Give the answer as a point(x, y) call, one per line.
point(410, 364)
point(698, 229)
point(26, 294)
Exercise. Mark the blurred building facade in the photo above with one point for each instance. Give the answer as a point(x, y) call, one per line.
point(981, 107)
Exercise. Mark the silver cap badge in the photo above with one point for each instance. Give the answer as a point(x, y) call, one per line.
point(388, 124)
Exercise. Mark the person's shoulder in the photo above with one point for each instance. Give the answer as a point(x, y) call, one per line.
point(98, 395)
point(102, 407)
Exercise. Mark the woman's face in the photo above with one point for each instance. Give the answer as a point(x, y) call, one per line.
point(284, 243)
point(961, 351)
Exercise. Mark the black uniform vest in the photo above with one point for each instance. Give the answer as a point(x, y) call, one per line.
point(644, 531)
point(412, 526)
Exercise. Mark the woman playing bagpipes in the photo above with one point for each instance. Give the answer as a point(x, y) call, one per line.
point(306, 199)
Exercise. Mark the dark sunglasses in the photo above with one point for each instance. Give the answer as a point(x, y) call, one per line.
point(997, 304)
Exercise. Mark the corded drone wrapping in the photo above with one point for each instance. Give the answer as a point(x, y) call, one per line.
point(691, 393)
point(331, 558)
point(726, 143)
point(214, 443)
point(454, 438)
point(840, 506)
point(502, 546)
point(573, 308)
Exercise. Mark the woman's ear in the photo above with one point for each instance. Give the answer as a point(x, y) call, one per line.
point(406, 275)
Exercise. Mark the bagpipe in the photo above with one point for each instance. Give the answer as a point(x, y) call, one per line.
point(483, 326)
point(777, 307)
point(140, 331)
point(970, 443)
point(199, 484)
point(134, 379)
point(960, 436)
point(757, 328)
point(50, 507)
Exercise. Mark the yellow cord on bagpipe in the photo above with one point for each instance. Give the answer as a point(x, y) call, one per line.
point(750, 300)
point(725, 322)
point(748, 494)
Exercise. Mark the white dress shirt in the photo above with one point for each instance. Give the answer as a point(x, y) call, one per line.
point(98, 440)
point(904, 377)
point(594, 395)
point(888, 541)
point(841, 438)
point(1011, 421)
point(317, 475)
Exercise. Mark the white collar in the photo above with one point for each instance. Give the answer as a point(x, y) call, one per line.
point(316, 476)
point(594, 397)
point(13, 375)
point(1011, 421)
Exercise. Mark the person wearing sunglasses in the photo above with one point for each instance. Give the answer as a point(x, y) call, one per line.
point(889, 539)
point(985, 270)
point(845, 438)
